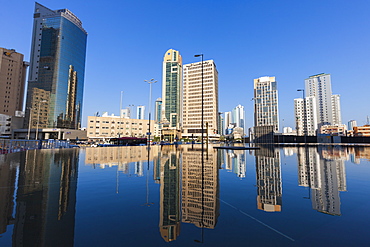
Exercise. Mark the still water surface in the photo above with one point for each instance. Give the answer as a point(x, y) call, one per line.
point(174, 196)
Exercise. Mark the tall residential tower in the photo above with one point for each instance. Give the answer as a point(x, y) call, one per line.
point(57, 67)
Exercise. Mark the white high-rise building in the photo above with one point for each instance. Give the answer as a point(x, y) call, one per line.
point(125, 113)
point(227, 122)
point(192, 99)
point(238, 116)
point(140, 112)
point(327, 105)
point(337, 115)
point(306, 117)
point(266, 103)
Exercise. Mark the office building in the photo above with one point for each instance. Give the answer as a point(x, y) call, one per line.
point(327, 105)
point(238, 116)
point(172, 89)
point(192, 100)
point(57, 67)
point(110, 126)
point(351, 124)
point(140, 112)
point(158, 110)
point(305, 116)
point(12, 82)
point(227, 122)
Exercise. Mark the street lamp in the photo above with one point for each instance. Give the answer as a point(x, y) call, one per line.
point(304, 114)
point(201, 55)
point(151, 81)
point(38, 117)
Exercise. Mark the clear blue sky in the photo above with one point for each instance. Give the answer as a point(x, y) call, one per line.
point(247, 39)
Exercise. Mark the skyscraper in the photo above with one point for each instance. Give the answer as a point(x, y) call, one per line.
point(266, 111)
point(327, 105)
point(238, 116)
point(12, 81)
point(57, 67)
point(140, 112)
point(172, 89)
point(192, 110)
point(158, 110)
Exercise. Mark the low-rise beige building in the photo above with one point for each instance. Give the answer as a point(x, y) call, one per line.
point(361, 130)
point(110, 126)
point(335, 130)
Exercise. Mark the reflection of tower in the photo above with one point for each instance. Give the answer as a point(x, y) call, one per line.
point(46, 198)
point(8, 170)
point(236, 162)
point(325, 177)
point(202, 212)
point(169, 225)
point(269, 184)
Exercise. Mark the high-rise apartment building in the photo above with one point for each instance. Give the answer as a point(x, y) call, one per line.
point(140, 112)
point(57, 67)
point(192, 99)
point(172, 89)
point(266, 111)
point(327, 105)
point(12, 82)
point(306, 117)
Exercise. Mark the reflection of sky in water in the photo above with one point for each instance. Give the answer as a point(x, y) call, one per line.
point(134, 196)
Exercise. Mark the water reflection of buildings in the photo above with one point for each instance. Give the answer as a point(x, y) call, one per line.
point(200, 193)
point(326, 177)
point(46, 198)
point(235, 162)
point(170, 214)
point(269, 185)
point(8, 171)
point(130, 160)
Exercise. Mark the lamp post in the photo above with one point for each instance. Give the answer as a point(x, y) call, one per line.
point(201, 55)
point(151, 81)
point(38, 118)
point(304, 114)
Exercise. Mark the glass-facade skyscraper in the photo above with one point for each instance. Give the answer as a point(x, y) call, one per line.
point(172, 89)
point(57, 67)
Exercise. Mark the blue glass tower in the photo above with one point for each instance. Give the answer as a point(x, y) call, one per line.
point(57, 67)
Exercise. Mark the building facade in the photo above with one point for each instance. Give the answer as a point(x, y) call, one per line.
point(238, 116)
point(266, 111)
point(327, 105)
point(140, 112)
point(172, 89)
point(110, 126)
point(57, 67)
point(192, 99)
point(305, 116)
point(12, 82)
point(158, 110)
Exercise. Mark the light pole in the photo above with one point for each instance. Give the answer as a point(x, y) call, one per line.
point(38, 118)
point(151, 81)
point(201, 55)
point(304, 114)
